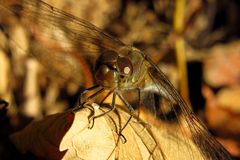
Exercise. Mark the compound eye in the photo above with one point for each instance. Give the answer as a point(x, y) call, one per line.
point(124, 66)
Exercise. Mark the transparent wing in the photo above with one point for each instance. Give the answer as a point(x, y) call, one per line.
point(81, 33)
point(62, 42)
point(173, 114)
point(77, 30)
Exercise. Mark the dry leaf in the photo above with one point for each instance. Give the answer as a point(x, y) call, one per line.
point(42, 138)
point(228, 98)
point(221, 118)
point(57, 137)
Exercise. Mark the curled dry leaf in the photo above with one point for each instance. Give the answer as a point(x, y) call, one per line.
point(229, 98)
point(221, 110)
point(222, 116)
point(67, 136)
point(42, 138)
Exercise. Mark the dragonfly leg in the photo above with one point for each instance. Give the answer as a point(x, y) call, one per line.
point(82, 103)
point(90, 107)
point(131, 115)
point(80, 99)
point(111, 109)
point(124, 140)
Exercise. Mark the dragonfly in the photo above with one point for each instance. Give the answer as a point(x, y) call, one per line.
point(119, 69)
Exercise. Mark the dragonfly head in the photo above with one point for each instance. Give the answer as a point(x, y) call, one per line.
point(112, 68)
